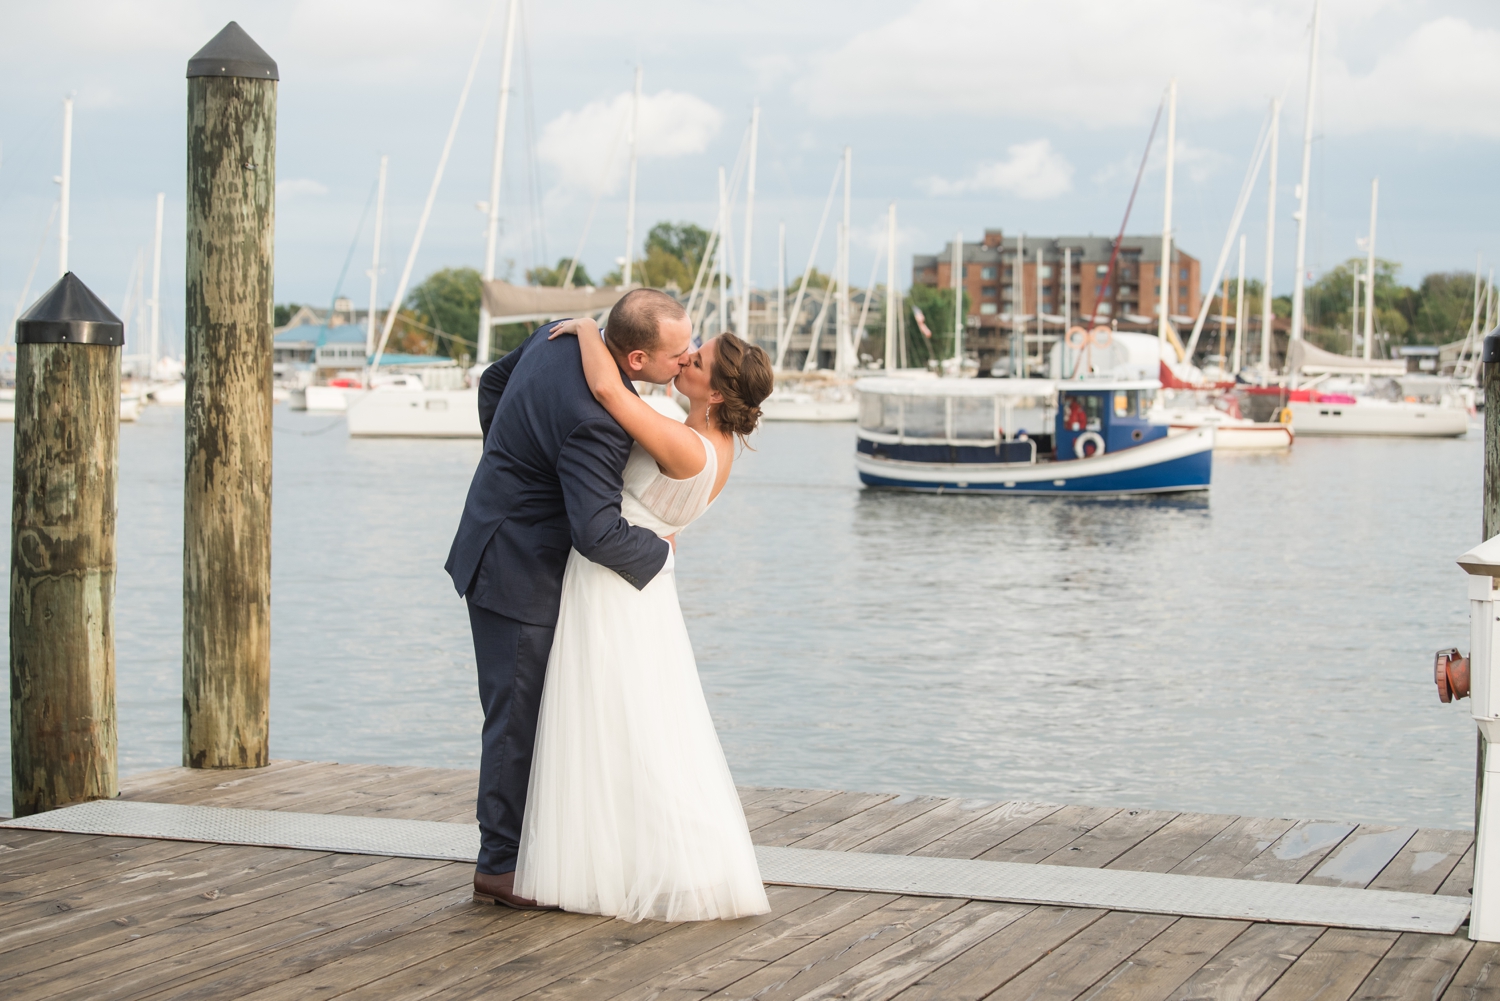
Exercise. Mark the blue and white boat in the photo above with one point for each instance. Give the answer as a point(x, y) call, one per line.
point(1087, 437)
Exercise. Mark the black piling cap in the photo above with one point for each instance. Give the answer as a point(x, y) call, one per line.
point(1492, 346)
point(68, 313)
point(233, 53)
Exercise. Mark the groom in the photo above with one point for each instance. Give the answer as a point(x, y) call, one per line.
point(550, 478)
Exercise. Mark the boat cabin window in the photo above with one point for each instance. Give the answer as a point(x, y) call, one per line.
point(926, 417)
point(881, 413)
point(1082, 412)
point(1124, 403)
point(974, 417)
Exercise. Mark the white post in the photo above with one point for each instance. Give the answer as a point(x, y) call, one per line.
point(1164, 304)
point(155, 349)
point(1299, 287)
point(1370, 276)
point(744, 319)
point(484, 329)
point(1017, 328)
point(65, 196)
point(780, 279)
point(844, 350)
point(958, 303)
point(1239, 312)
point(1067, 289)
point(635, 111)
point(1267, 314)
point(492, 234)
point(890, 288)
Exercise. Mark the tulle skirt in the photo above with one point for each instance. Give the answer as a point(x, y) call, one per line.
point(631, 811)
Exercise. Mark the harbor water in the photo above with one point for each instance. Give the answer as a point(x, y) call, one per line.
point(1265, 649)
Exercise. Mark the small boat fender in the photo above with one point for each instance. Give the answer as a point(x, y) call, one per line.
point(1451, 672)
point(1285, 416)
point(1082, 442)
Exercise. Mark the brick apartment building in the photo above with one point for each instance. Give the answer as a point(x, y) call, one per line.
point(1130, 302)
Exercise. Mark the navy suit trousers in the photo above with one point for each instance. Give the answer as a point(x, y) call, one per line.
point(512, 659)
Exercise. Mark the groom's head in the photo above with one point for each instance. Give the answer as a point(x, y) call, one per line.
point(650, 335)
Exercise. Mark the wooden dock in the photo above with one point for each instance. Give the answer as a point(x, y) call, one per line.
point(114, 918)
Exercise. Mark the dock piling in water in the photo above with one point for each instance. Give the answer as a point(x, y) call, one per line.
point(62, 550)
point(226, 580)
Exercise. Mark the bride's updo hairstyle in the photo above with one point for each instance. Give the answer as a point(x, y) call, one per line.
point(742, 375)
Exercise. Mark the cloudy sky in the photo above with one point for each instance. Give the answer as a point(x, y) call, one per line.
point(1026, 115)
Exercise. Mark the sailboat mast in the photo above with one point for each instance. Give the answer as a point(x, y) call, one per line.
point(1299, 288)
point(958, 303)
point(1067, 305)
point(744, 318)
point(635, 113)
point(65, 195)
point(484, 329)
point(1239, 313)
point(1354, 314)
point(1017, 329)
point(890, 288)
point(780, 278)
point(155, 347)
point(1267, 314)
point(844, 349)
point(1039, 329)
point(723, 229)
point(492, 232)
point(1370, 274)
point(1165, 302)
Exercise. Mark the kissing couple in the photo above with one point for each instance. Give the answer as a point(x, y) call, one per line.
point(602, 785)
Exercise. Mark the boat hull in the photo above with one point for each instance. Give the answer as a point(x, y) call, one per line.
point(414, 413)
point(1177, 464)
point(843, 411)
point(1257, 437)
point(1378, 418)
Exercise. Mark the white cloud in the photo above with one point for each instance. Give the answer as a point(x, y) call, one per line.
point(1101, 63)
point(579, 143)
point(298, 187)
point(1033, 171)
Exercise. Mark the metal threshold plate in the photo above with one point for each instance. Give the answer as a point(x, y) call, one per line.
point(1112, 889)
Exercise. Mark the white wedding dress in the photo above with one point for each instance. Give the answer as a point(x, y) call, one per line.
point(631, 810)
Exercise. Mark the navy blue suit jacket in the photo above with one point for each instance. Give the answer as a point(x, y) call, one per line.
point(550, 478)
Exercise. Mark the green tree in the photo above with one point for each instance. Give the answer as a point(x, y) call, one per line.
point(684, 241)
point(447, 304)
point(283, 312)
point(936, 305)
point(543, 275)
point(1441, 308)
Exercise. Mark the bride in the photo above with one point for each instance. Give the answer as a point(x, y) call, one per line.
point(631, 810)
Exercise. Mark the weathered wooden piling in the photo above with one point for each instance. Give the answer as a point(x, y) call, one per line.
point(226, 579)
point(62, 550)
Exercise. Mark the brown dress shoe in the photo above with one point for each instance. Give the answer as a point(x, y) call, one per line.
point(501, 890)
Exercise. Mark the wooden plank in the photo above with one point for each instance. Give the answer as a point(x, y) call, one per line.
point(947, 817)
point(58, 850)
point(1229, 851)
point(870, 823)
point(1111, 839)
point(205, 785)
point(1361, 857)
point(1166, 961)
point(221, 935)
point(774, 808)
point(1416, 966)
point(985, 832)
point(1333, 967)
point(723, 966)
point(1248, 965)
point(53, 880)
point(1055, 831)
point(834, 953)
point(1297, 852)
point(1174, 844)
point(1460, 882)
point(820, 815)
point(128, 916)
point(500, 976)
point(979, 971)
point(632, 967)
point(1079, 963)
point(893, 969)
point(282, 951)
point(1478, 979)
point(1425, 861)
